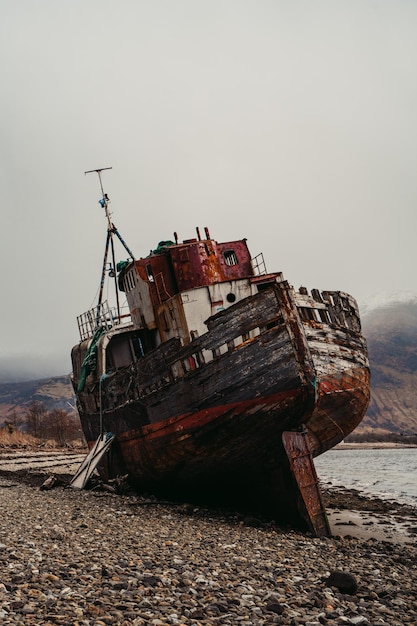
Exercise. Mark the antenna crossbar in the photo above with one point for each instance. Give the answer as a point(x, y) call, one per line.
point(98, 170)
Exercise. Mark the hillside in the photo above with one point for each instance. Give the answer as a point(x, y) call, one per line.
point(54, 393)
point(391, 333)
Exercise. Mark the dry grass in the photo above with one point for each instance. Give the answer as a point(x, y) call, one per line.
point(16, 439)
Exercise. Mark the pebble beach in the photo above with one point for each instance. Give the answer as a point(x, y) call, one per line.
point(93, 558)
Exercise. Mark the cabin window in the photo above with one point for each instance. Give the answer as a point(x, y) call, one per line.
point(129, 281)
point(230, 257)
point(119, 352)
point(307, 314)
point(150, 273)
point(324, 316)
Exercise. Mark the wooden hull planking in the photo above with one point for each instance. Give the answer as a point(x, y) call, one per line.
point(215, 433)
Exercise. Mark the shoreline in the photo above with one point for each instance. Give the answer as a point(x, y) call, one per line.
point(350, 512)
point(353, 513)
point(373, 445)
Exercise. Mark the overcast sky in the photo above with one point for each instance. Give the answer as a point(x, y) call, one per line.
point(289, 122)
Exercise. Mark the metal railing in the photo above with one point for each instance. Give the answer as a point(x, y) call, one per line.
point(258, 265)
point(101, 316)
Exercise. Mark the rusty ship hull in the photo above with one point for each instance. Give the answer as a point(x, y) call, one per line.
point(232, 454)
point(214, 419)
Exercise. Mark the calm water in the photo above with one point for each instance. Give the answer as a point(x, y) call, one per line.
point(388, 473)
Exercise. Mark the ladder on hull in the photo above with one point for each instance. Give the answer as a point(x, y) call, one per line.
point(91, 461)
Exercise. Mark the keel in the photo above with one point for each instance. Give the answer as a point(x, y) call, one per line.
point(306, 488)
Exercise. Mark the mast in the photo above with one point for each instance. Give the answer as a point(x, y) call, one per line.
point(104, 197)
point(111, 231)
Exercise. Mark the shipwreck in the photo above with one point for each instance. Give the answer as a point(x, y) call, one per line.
point(220, 382)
